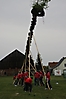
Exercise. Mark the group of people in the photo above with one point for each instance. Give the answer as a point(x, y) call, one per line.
point(22, 78)
point(19, 78)
point(38, 79)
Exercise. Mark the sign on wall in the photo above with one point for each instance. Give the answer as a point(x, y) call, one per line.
point(57, 72)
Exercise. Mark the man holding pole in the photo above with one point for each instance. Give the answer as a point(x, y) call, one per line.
point(48, 85)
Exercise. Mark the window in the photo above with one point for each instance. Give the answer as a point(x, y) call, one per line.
point(65, 65)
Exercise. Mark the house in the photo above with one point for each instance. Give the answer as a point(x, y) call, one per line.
point(12, 63)
point(52, 64)
point(58, 67)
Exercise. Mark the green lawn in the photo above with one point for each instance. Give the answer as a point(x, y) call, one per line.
point(9, 91)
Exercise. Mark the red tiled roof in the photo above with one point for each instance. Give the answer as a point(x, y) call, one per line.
point(52, 64)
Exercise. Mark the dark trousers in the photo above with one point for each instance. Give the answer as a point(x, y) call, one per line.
point(41, 81)
point(16, 81)
point(28, 87)
point(36, 81)
point(48, 84)
point(22, 81)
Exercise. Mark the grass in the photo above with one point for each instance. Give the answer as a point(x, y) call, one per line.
point(9, 91)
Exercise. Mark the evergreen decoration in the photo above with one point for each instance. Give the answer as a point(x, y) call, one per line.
point(37, 10)
point(41, 4)
point(38, 63)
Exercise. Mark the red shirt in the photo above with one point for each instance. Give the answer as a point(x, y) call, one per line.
point(41, 74)
point(37, 75)
point(48, 75)
point(22, 75)
point(25, 75)
point(19, 76)
point(28, 80)
point(14, 77)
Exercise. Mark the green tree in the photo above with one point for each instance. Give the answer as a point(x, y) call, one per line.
point(38, 62)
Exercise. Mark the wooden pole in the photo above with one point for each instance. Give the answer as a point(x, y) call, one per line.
point(25, 62)
point(29, 55)
point(29, 63)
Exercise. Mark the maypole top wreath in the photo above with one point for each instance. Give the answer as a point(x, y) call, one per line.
point(38, 8)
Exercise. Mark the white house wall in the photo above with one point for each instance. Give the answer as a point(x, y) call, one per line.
point(61, 66)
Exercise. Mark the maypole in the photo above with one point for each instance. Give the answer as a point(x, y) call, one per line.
point(38, 10)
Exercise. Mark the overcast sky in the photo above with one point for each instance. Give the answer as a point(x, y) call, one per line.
point(50, 35)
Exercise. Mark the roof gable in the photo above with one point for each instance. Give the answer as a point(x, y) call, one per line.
point(12, 54)
point(12, 60)
point(60, 61)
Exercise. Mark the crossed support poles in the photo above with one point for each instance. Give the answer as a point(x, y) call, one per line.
point(27, 58)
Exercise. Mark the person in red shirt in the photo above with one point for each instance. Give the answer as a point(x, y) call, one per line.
point(48, 85)
point(25, 75)
point(22, 78)
point(36, 78)
point(18, 77)
point(28, 84)
point(41, 78)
